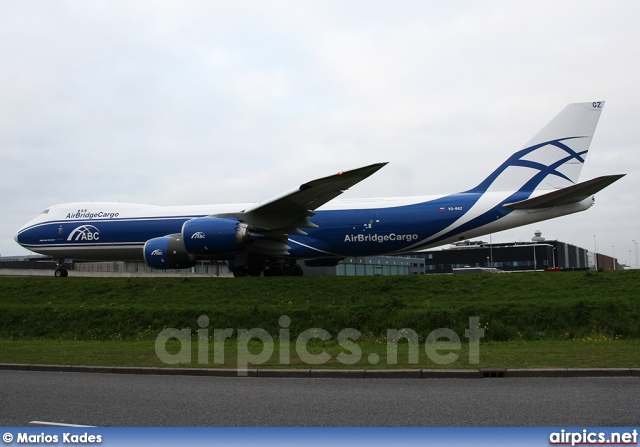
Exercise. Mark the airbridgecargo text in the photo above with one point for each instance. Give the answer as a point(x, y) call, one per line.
point(88, 215)
point(380, 238)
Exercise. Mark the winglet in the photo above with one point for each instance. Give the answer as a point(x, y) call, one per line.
point(341, 181)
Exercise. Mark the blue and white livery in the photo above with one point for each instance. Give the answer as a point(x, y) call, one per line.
point(538, 182)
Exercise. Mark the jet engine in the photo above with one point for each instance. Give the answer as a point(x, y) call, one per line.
point(215, 235)
point(168, 252)
point(207, 237)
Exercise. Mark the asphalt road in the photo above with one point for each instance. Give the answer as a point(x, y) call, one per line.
point(155, 400)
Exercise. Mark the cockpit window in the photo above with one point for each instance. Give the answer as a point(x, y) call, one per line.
point(46, 211)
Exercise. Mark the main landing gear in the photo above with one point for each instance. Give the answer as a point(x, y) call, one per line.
point(286, 270)
point(273, 269)
point(241, 271)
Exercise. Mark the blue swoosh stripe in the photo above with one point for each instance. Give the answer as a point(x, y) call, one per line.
point(516, 160)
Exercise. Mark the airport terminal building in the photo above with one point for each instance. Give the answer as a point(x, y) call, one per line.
point(537, 255)
point(527, 256)
point(364, 266)
point(370, 266)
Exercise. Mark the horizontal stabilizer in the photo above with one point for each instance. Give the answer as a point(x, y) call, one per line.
point(566, 196)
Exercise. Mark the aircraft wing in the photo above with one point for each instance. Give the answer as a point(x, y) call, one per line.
point(565, 196)
point(291, 210)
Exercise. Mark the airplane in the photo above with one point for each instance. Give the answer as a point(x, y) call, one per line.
point(537, 182)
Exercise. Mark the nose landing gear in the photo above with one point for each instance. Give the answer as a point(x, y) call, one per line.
point(61, 270)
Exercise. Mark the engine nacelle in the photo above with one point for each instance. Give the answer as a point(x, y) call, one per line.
point(168, 252)
point(214, 235)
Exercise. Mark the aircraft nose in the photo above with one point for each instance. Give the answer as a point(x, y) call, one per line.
point(22, 236)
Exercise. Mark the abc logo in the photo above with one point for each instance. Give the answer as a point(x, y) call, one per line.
point(84, 233)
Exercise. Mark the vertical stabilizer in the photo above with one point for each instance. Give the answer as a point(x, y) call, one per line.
point(553, 157)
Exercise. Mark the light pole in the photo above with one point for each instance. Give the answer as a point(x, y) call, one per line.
point(491, 248)
point(595, 252)
point(613, 248)
point(636, 245)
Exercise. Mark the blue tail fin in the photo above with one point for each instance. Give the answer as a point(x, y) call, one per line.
point(553, 158)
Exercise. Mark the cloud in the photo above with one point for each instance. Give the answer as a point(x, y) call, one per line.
point(204, 102)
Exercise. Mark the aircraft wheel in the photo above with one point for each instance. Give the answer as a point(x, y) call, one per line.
point(239, 272)
point(61, 273)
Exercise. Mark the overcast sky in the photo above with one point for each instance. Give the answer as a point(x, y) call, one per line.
point(189, 102)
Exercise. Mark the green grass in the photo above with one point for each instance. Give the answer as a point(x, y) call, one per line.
point(536, 354)
point(510, 307)
point(533, 319)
